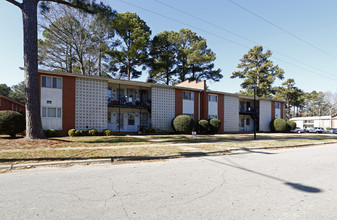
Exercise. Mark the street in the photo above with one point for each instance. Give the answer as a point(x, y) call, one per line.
point(298, 183)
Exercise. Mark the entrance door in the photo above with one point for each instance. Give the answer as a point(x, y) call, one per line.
point(131, 122)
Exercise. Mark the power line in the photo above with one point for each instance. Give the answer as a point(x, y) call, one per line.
point(231, 41)
point(282, 29)
point(242, 37)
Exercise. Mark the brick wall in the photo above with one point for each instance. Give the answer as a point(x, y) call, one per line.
point(221, 111)
point(178, 102)
point(68, 110)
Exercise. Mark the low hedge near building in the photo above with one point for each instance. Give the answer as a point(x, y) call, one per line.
point(183, 124)
point(12, 123)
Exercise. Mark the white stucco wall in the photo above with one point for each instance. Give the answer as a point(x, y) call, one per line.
point(91, 106)
point(265, 115)
point(188, 106)
point(231, 114)
point(162, 107)
point(51, 98)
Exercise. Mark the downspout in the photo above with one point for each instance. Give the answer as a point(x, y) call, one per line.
point(199, 105)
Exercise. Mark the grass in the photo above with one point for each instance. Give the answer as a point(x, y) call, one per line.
point(66, 148)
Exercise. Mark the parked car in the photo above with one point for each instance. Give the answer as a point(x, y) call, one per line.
point(332, 131)
point(297, 130)
point(316, 130)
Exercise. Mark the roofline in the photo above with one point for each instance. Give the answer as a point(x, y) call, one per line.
point(122, 81)
point(146, 84)
point(244, 96)
point(12, 100)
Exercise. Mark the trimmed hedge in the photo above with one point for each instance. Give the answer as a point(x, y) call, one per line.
point(83, 133)
point(291, 125)
point(92, 132)
point(107, 132)
point(72, 132)
point(12, 123)
point(183, 124)
point(203, 126)
point(50, 133)
point(278, 125)
point(215, 125)
point(150, 130)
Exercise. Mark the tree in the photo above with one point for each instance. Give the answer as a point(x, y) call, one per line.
point(73, 41)
point(163, 58)
point(29, 14)
point(180, 56)
point(195, 60)
point(258, 68)
point(4, 90)
point(18, 92)
point(130, 51)
point(291, 94)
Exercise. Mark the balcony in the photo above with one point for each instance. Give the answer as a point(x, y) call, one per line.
point(248, 111)
point(129, 102)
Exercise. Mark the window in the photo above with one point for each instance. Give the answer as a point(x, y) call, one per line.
point(131, 119)
point(188, 95)
point(212, 98)
point(212, 116)
point(277, 105)
point(248, 121)
point(51, 112)
point(51, 82)
point(144, 119)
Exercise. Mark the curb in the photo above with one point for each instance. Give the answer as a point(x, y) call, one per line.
point(145, 158)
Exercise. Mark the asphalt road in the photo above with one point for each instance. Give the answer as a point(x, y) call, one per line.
point(278, 184)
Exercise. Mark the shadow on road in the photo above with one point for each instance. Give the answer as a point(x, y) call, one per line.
point(296, 186)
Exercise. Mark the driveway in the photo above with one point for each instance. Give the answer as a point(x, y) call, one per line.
point(278, 184)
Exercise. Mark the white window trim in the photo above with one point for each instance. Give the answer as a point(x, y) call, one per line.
point(51, 78)
point(210, 95)
point(47, 116)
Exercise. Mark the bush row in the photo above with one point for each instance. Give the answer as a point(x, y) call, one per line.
point(184, 124)
point(90, 132)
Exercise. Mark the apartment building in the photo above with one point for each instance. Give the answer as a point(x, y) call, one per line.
point(10, 104)
point(84, 102)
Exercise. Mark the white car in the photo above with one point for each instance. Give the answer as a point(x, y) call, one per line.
point(316, 130)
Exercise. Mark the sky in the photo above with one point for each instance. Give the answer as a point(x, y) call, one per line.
point(301, 35)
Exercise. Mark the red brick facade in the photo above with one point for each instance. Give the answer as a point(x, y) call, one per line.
point(68, 111)
point(272, 110)
point(178, 102)
point(68, 101)
point(9, 104)
point(221, 111)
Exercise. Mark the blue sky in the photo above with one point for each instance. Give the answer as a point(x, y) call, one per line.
point(312, 21)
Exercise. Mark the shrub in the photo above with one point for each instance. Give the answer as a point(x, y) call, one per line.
point(83, 133)
point(150, 130)
point(12, 123)
point(203, 126)
point(72, 132)
point(291, 125)
point(215, 125)
point(50, 133)
point(183, 124)
point(278, 125)
point(77, 133)
point(92, 132)
point(107, 132)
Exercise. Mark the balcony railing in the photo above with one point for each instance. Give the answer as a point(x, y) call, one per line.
point(129, 102)
point(248, 110)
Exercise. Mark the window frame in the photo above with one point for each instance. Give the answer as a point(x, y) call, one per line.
point(212, 95)
point(51, 82)
point(188, 95)
point(45, 112)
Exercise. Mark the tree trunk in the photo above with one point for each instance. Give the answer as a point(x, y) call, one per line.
point(33, 116)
